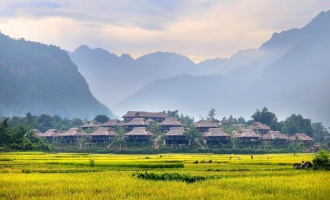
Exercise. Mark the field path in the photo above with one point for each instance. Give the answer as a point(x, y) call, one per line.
point(200, 144)
point(156, 145)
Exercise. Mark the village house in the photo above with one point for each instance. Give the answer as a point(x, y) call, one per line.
point(216, 136)
point(204, 125)
point(246, 136)
point(259, 127)
point(168, 123)
point(275, 137)
point(36, 132)
point(73, 135)
point(139, 134)
point(91, 124)
point(159, 117)
point(176, 136)
point(301, 137)
point(136, 122)
point(102, 135)
point(50, 135)
point(113, 123)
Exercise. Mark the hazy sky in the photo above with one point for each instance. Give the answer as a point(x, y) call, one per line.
point(199, 29)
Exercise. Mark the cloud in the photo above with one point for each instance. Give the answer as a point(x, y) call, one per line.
point(199, 29)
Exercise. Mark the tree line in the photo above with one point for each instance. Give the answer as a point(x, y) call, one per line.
point(16, 134)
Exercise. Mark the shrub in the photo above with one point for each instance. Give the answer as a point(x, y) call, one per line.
point(170, 177)
point(321, 160)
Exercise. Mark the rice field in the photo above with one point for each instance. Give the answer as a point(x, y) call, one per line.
point(38, 175)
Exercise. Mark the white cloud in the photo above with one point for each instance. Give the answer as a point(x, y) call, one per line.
point(199, 29)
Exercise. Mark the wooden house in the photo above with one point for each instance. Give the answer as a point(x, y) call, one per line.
point(136, 122)
point(113, 123)
point(51, 135)
point(216, 136)
point(168, 123)
point(259, 127)
point(72, 135)
point(91, 124)
point(159, 117)
point(139, 134)
point(176, 136)
point(204, 125)
point(102, 135)
point(275, 137)
point(247, 136)
point(301, 137)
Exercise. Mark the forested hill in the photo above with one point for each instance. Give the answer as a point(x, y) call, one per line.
point(38, 78)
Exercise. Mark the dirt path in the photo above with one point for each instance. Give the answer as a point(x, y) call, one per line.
point(156, 145)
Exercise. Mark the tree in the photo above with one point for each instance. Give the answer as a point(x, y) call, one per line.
point(297, 124)
point(321, 160)
point(44, 122)
point(192, 133)
point(266, 117)
point(101, 118)
point(319, 131)
point(211, 114)
point(174, 113)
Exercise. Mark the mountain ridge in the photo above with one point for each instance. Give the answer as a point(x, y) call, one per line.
point(259, 82)
point(42, 79)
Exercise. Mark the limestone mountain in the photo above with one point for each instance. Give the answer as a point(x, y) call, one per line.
point(288, 74)
point(38, 78)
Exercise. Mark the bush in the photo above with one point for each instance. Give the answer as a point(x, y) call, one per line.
point(170, 177)
point(321, 160)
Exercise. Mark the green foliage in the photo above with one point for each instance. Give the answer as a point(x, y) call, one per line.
point(173, 113)
point(192, 133)
point(266, 117)
point(170, 177)
point(18, 138)
point(297, 124)
point(186, 120)
point(101, 118)
point(44, 122)
point(321, 160)
point(319, 131)
point(154, 128)
point(211, 114)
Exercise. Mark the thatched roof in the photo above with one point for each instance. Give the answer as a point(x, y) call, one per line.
point(74, 132)
point(112, 122)
point(247, 133)
point(90, 124)
point(215, 132)
point(258, 125)
point(139, 131)
point(36, 132)
point(150, 121)
point(51, 133)
point(104, 132)
point(137, 122)
point(171, 121)
point(272, 135)
point(205, 124)
point(301, 137)
point(143, 114)
point(178, 131)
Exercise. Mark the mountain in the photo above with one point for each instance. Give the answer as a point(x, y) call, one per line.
point(40, 79)
point(288, 74)
point(113, 78)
